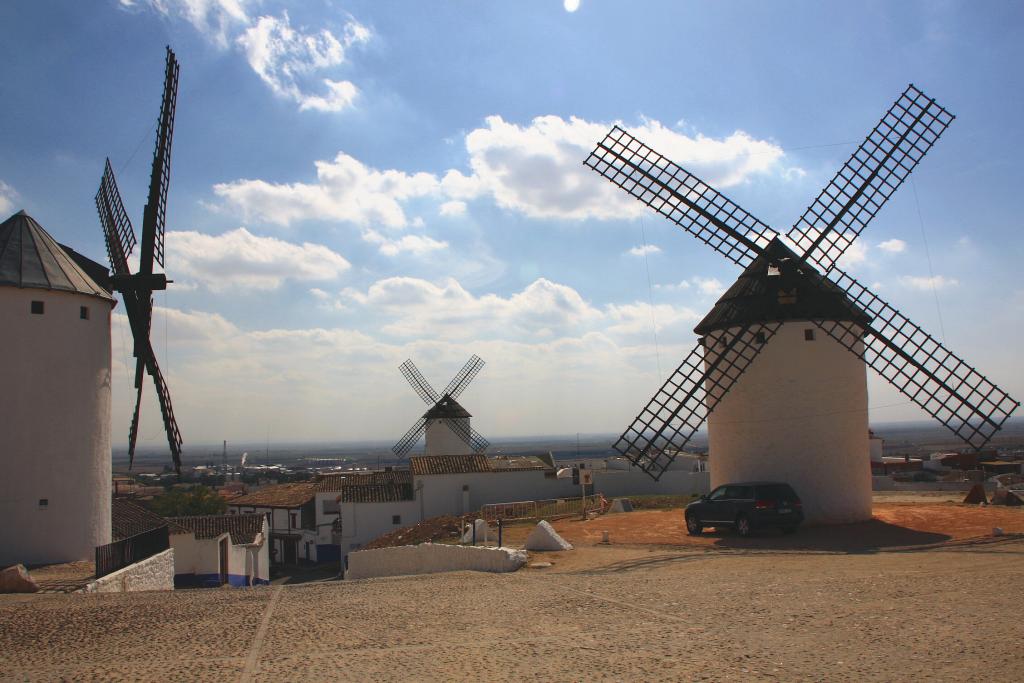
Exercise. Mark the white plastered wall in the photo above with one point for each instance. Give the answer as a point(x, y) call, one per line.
point(798, 415)
point(54, 426)
point(441, 440)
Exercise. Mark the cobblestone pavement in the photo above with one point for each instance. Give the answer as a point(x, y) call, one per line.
point(620, 613)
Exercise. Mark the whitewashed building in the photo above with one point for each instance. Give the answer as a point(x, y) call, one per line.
point(353, 509)
point(289, 509)
point(214, 550)
point(54, 398)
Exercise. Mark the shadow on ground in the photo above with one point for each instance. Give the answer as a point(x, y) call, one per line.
point(858, 537)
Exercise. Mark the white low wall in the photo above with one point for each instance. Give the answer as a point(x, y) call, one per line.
point(430, 558)
point(154, 573)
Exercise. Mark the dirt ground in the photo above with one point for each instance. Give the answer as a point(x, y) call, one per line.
point(923, 591)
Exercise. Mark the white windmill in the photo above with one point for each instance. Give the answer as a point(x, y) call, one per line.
point(798, 329)
point(446, 424)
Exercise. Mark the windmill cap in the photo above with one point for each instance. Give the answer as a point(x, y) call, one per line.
point(447, 407)
point(31, 258)
point(779, 286)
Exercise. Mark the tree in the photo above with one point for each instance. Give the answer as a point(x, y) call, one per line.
point(199, 500)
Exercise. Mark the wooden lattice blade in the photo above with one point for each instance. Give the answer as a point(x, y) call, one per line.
point(667, 423)
point(865, 182)
point(418, 382)
point(921, 368)
point(413, 435)
point(155, 214)
point(680, 196)
point(464, 376)
point(117, 227)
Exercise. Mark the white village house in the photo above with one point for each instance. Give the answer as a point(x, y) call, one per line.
point(289, 510)
point(214, 550)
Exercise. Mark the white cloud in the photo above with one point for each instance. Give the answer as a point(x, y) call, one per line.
point(644, 250)
point(537, 169)
point(346, 190)
point(571, 5)
point(453, 208)
point(292, 62)
point(7, 197)
point(927, 284)
point(239, 259)
point(893, 246)
point(708, 285)
point(414, 244)
point(637, 318)
point(285, 58)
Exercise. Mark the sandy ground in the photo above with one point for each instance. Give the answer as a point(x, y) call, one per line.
point(930, 600)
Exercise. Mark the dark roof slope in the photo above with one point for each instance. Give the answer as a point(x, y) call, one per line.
point(446, 407)
point(778, 286)
point(337, 482)
point(129, 519)
point(448, 464)
point(278, 496)
point(241, 528)
point(30, 258)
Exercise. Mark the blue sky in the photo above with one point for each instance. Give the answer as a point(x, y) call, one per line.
point(355, 183)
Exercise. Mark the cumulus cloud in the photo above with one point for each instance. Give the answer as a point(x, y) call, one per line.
point(7, 196)
point(644, 250)
point(571, 5)
point(927, 284)
point(708, 286)
point(291, 61)
point(239, 259)
point(893, 246)
point(414, 244)
point(345, 190)
point(534, 169)
point(641, 318)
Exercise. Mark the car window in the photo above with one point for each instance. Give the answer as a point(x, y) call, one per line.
point(733, 492)
point(718, 493)
point(744, 492)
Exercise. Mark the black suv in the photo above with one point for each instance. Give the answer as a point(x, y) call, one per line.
point(746, 507)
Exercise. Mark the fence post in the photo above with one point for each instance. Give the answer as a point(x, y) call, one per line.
point(499, 532)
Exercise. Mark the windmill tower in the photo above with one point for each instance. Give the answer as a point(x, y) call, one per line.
point(779, 370)
point(446, 423)
point(54, 398)
point(137, 288)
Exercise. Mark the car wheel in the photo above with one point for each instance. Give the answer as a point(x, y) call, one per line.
point(693, 525)
point(743, 526)
point(788, 529)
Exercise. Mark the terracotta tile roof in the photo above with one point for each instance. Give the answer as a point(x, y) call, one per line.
point(448, 464)
point(131, 519)
point(242, 528)
point(377, 493)
point(517, 463)
point(279, 496)
point(337, 482)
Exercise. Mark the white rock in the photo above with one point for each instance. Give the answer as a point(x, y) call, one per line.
point(483, 532)
point(544, 537)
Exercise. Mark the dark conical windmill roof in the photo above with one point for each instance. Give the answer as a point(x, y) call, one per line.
point(446, 407)
point(779, 286)
point(30, 258)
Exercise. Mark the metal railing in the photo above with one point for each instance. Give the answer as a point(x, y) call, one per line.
point(538, 509)
point(119, 554)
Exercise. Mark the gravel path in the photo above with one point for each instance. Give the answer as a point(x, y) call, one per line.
point(631, 613)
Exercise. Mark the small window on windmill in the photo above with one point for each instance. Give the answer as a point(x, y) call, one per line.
point(83, 312)
point(44, 503)
point(723, 343)
point(759, 338)
point(773, 270)
point(465, 487)
point(396, 519)
point(809, 334)
point(787, 296)
point(37, 308)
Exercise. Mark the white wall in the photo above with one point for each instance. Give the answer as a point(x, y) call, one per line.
point(280, 522)
point(799, 415)
point(363, 522)
point(441, 440)
point(54, 426)
point(155, 573)
point(429, 558)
